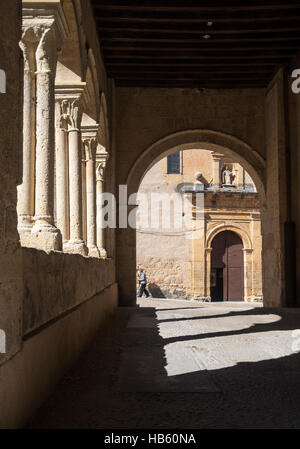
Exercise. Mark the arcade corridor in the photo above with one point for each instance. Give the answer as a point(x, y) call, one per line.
point(176, 364)
point(93, 93)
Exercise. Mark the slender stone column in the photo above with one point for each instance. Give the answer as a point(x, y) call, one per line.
point(84, 205)
point(25, 203)
point(44, 233)
point(90, 144)
point(100, 171)
point(76, 243)
point(62, 203)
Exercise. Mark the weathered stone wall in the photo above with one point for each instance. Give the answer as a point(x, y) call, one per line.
point(28, 378)
point(55, 283)
point(10, 176)
point(146, 115)
point(166, 261)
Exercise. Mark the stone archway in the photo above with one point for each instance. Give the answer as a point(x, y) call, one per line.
point(203, 139)
point(210, 140)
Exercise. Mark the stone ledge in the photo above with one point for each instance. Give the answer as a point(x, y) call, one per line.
point(55, 282)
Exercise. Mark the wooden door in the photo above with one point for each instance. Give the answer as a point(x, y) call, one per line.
point(227, 253)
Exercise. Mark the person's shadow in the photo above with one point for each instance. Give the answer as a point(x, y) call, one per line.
point(155, 291)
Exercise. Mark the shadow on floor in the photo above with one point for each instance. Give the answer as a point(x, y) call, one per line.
point(122, 380)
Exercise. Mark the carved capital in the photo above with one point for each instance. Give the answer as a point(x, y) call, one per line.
point(46, 52)
point(89, 147)
point(61, 113)
point(89, 141)
point(69, 100)
point(44, 27)
point(28, 47)
point(74, 113)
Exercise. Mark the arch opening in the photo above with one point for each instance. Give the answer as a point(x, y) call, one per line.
point(232, 150)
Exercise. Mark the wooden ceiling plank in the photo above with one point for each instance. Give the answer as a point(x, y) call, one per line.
point(211, 6)
point(160, 42)
point(203, 62)
point(200, 29)
point(238, 19)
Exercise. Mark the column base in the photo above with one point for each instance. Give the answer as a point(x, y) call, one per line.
point(46, 237)
point(25, 236)
point(103, 253)
point(25, 223)
point(75, 247)
point(93, 251)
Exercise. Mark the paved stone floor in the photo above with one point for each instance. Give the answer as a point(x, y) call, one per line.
point(179, 364)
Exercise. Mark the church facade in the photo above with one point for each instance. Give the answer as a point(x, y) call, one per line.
point(218, 257)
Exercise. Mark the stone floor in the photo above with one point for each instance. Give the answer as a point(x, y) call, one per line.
point(179, 364)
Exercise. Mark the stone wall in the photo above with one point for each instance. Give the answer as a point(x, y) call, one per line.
point(166, 260)
point(29, 377)
point(55, 283)
point(147, 115)
point(10, 176)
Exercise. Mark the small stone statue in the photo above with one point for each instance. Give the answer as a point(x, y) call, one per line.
point(227, 176)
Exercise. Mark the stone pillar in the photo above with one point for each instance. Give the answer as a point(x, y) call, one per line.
point(89, 134)
point(239, 175)
point(44, 233)
point(62, 203)
point(248, 274)
point(83, 179)
point(100, 171)
point(25, 205)
point(208, 252)
point(74, 106)
point(216, 169)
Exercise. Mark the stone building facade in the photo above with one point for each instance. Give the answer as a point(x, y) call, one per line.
point(182, 263)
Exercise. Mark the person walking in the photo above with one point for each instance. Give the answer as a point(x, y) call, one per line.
point(143, 282)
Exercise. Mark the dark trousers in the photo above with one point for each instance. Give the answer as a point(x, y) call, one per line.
point(143, 290)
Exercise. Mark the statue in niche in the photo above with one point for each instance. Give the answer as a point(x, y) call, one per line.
point(227, 176)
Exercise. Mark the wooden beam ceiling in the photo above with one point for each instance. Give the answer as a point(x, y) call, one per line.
point(197, 43)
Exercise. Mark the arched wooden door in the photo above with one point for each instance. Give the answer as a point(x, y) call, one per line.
point(227, 267)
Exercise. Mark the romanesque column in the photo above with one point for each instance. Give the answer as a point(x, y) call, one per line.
point(61, 144)
point(100, 170)
point(44, 233)
point(90, 144)
point(83, 179)
point(76, 243)
point(25, 203)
